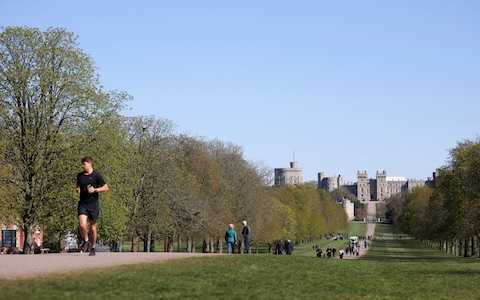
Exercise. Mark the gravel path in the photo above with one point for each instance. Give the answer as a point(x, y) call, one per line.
point(371, 215)
point(19, 266)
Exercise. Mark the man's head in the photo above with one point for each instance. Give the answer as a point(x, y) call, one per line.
point(87, 164)
point(244, 222)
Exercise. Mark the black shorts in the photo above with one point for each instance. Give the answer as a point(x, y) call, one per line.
point(91, 210)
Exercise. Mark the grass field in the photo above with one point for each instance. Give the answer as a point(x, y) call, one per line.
point(393, 268)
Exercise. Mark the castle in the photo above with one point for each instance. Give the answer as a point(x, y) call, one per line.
point(366, 189)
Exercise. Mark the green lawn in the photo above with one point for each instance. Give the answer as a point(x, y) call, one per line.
point(392, 269)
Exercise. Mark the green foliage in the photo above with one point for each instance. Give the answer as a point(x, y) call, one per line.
point(313, 213)
point(53, 111)
point(450, 212)
point(48, 94)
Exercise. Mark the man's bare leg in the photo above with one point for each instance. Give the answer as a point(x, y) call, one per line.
point(82, 224)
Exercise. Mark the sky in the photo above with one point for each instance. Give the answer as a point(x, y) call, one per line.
point(337, 86)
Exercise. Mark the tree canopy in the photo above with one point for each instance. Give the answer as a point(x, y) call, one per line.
point(163, 186)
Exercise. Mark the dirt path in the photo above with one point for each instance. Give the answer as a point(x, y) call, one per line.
point(20, 266)
point(371, 215)
point(17, 266)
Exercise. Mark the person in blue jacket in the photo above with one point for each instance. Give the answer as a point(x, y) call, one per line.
point(231, 238)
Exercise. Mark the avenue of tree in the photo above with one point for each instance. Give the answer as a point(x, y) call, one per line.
point(448, 216)
point(167, 187)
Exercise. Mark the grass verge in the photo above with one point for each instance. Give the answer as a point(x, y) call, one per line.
point(393, 268)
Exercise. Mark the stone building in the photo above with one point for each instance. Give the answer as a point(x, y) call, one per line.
point(329, 183)
point(373, 189)
point(292, 175)
point(349, 208)
point(332, 183)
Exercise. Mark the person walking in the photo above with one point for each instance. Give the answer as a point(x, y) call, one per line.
point(289, 247)
point(247, 235)
point(89, 184)
point(231, 238)
point(280, 247)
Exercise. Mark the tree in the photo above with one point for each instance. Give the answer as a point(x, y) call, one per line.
point(48, 92)
point(152, 175)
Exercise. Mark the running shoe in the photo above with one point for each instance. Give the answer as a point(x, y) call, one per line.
point(84, 246)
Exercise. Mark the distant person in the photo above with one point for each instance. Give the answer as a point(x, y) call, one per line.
point(280, 247)
point(231, 238)
point(89, 184)
point(247, 235)
point(341, 253)
point(289, 247)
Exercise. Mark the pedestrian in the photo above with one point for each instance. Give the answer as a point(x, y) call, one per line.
point(289, 247)
point(280, 247)
point(341, 252)
point(231, 238)
point(89, 184)
point(247, 235)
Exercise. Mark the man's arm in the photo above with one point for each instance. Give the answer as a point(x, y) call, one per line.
point(103, 188)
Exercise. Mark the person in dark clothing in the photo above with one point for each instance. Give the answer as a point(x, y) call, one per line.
point(289, 247)
point(89, 184)
point(280, 247)
point(247, 235)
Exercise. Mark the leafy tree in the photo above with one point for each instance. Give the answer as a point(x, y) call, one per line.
point(417, 209)
point(48, 92)
point(152, 174)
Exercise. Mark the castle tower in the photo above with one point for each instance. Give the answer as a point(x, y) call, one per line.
point(381, 192)
point(363, 186)
point(292, 175)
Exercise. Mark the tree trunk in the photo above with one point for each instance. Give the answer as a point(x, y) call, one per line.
point(116, 246)
point(211, 247)
point(29, 243)
point(205, 246)
point(189, 244)
point(152, 245)
point(134, 243)
point(168, 244)
point(179, 241)
point(219, 246)
point(473, 246)
point(147, 241)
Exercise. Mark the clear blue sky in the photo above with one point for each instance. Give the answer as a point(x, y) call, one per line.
point(345, 85)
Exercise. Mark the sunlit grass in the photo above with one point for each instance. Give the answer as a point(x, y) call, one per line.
point(392, 269)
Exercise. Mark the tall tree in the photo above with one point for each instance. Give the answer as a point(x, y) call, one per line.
point(152, 174)
point(48, 92)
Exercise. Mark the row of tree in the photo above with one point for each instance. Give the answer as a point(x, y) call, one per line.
point(447, 216)
point(163, 186)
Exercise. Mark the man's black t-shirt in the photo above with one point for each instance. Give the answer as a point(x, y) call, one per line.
point(83, 181)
